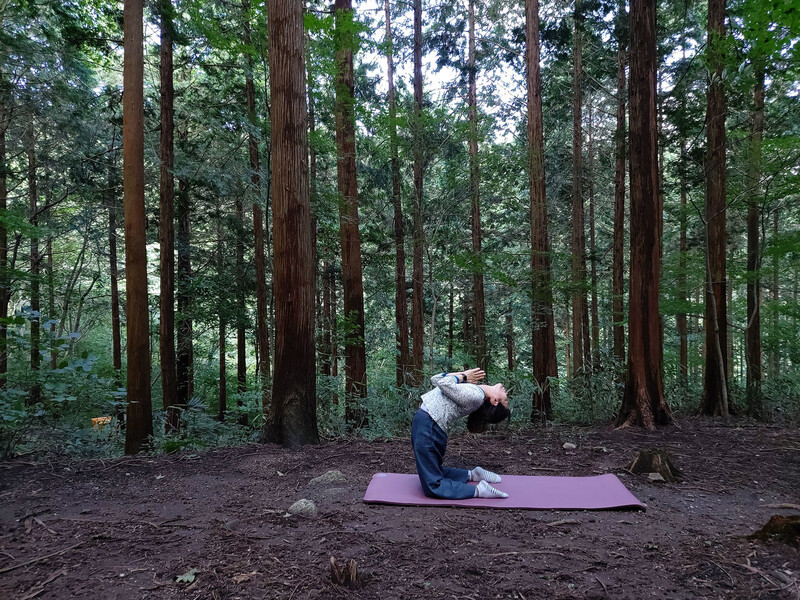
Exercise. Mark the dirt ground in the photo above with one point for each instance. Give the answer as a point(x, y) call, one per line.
point(128, 528)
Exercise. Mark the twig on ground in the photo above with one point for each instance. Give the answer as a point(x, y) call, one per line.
point(600, 581)
point(516, 552)
point(45, 557)
point(39, 587)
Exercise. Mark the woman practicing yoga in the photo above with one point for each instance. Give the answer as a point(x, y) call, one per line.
point(454, 396)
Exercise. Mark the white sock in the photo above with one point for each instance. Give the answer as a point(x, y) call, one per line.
point(481, 474)
point(484, 490)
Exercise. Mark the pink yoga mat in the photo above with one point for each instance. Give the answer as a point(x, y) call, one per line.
point(538, 492)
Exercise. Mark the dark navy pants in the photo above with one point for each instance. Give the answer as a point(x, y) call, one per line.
point(430, 444)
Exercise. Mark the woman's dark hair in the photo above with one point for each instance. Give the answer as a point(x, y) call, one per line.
point(486, 414)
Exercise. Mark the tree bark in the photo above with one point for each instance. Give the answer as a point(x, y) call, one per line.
point(417, 298)
point(475, 197)
point(34, 395)
point(5, 284)
point(140, 411)
point(581, 352)
point(403, 358)
point(222, 334)
point(774, 352)
point(715, 380)
point(352, 278)
point(262, 296)
point(116, 334)
point(618, 257)
point(595, 317)
point(643, 401)
point(185, 346)
point(683, 293)
point(543, 341)
point(753, 328)
point(510, 350)
point(292, 419)
point(166, 228)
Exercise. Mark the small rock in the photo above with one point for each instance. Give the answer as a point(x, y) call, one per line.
point(656, 478)
point(304, 508)
point(569, 446)
point(329, 477)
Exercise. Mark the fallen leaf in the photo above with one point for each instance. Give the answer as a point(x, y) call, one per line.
point(187, 577)
point(242, 577)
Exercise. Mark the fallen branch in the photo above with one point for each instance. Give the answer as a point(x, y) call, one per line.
point(516, 552)
point(41, 558)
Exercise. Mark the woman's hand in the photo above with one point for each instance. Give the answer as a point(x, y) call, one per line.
point(473, 375)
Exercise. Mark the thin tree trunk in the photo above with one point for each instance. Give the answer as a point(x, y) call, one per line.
point(35, 392)
point(775, 352)
point(618, 257)
point(51, 305)
point(292, 420)
point(592, 249)
point(715, 384)
point(543, 341)
point(510, 351)
point(116, 334)
point(5, 284)
point(403, 359)
point(417, 299)
point(185, 345)
point(350, 237)
point(262, 298)
point(327, 316)
point(581, 353)
point(753, 329)
point(568, 360)
point(166, 229)
point(140, 411)
point(221, 310)
point(643, 401)
point(450, 325)
point(680, 318)
point(474, 180)
point(334, 334)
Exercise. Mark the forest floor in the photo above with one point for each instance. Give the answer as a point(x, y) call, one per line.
point(128, 528)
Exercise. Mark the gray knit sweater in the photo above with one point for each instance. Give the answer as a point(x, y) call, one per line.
point(450, 400)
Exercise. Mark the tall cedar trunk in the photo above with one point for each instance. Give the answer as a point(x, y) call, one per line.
point(543, 339)
point(683, 292)
point(185, 346)
point(292, 419)
point(222, 337)
point(350, 237)
point(715, 381)
point(753, 329)
point(36, 358)
point(643, 400)
point(321, 317)
point(262, 298)
point(116, 334)
point(580, 319)
point(5, 285)
point(417, 299)
point(241, 329)
point(403, 358)
point(592, 250)
point(166, 228)
point(140, 411)
point(479, 305)
point(618, 256)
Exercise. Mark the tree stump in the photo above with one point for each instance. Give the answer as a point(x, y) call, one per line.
point(655, 461)
point(346, 574)
point(782, 528)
